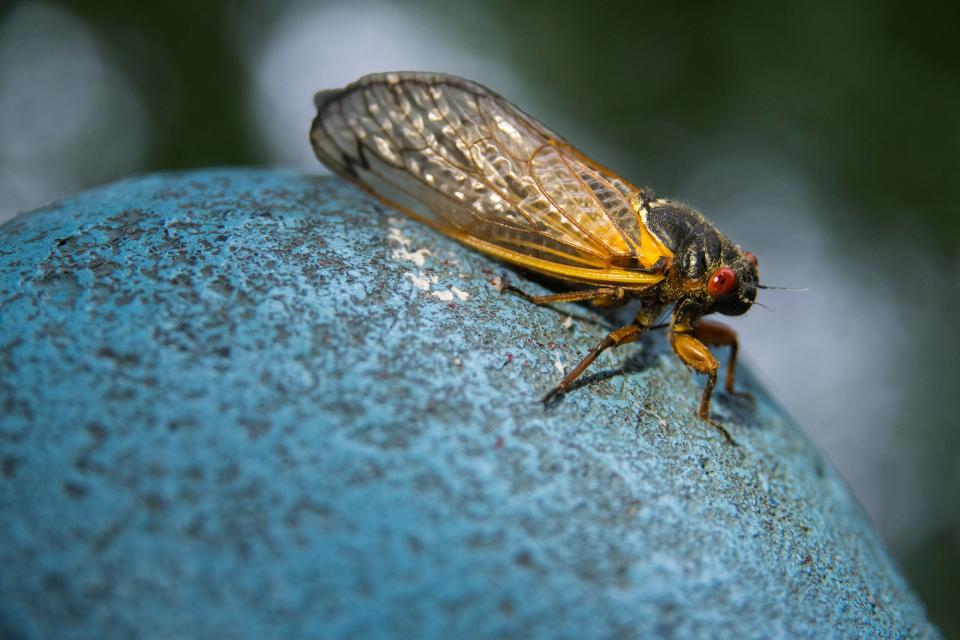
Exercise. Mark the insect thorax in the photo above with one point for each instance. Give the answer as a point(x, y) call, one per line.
point(698, 247)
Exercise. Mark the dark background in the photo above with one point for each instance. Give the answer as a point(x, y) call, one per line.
point(824, 137)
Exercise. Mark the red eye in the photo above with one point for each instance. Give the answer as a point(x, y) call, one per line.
point(722, 282)
point(751, 258)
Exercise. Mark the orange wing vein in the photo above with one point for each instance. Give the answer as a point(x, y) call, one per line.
point(462, 159)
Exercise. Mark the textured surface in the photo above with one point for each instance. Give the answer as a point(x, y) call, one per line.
point(252, 404)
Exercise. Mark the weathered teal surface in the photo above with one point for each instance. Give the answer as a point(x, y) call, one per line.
point(256, 404)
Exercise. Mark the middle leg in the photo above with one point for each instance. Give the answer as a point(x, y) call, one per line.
point(623, 335)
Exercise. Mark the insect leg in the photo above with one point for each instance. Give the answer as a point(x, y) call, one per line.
point(697, 356)
point(616, 338)
point(603, 295)
point(718, 334)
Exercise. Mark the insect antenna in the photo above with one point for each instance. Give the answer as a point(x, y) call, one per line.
point(767, 286)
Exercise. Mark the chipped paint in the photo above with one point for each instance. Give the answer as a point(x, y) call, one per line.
point(402, 252)
point(422, 282)
point(559, 366)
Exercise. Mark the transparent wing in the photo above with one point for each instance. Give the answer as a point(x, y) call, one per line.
point(462, 159)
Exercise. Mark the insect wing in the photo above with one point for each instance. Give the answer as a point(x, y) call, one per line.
point(465, 161)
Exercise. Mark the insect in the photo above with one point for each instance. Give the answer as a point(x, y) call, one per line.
point(460, 158)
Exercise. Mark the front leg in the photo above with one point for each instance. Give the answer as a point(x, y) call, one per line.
point(697, 356)
point(718, 335)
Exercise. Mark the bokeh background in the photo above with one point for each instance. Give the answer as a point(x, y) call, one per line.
point(824, 137)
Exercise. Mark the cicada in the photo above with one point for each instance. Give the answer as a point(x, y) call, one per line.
point(463, 160)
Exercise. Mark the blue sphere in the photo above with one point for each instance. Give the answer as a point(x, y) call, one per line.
point(257, 404)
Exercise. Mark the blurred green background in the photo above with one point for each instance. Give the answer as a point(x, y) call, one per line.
point(824, 137)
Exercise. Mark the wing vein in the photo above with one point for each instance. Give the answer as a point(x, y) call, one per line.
point(593, 194)
point(455, 203)
point(435, 153)
point(516, 206)
point(558, 208)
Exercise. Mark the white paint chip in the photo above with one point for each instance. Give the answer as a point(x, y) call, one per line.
point(421, 282)
point(403, 252)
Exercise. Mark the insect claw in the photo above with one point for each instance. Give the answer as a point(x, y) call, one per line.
point(506, 287)
point(552, 395)
point(723, 431)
